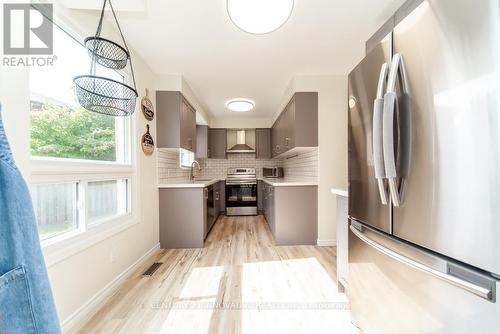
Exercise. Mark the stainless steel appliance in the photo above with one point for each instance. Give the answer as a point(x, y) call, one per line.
point(424, 158)
point(241, 192)
point(273, 172)
point(241, 145)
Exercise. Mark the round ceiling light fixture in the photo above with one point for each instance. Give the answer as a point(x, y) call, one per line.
point(240, 105)
point(259, 16)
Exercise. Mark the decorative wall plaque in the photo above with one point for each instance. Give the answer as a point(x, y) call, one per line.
point(147, 142)
point(147, 107)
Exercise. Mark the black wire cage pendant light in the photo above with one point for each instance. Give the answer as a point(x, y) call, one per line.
point(100, 94)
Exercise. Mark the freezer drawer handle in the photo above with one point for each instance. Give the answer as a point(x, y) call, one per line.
point(378, 157)
point(483, 292)
point(391, 106)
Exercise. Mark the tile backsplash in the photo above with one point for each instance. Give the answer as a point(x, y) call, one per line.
point(303, 166)
point(169, 170)
point(217, 168)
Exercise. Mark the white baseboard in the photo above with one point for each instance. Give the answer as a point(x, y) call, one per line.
point(326, 243)
point(76, 320)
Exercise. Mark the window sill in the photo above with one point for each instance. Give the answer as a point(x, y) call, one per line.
point(54, 166)
point(58, 249)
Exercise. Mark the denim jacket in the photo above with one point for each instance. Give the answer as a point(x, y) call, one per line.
point(26, 303)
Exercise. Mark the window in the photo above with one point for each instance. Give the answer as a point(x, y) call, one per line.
point(186, 158)
point(56, 208)
point(60, 127)
point(106, 199)
point(82, 162)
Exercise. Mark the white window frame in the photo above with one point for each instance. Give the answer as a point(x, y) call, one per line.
point(45, 170)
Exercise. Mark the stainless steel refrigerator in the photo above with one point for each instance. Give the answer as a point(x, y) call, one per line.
point(424, 173)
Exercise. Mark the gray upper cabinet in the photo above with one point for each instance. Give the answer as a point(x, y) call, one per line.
point(202, 141)
point(189, 126)
point(217, 143)
point(288, 125)
point(176, 121)
point(297, 125)
point(278, 135)
point(210, 143)
point(274, 138)
point(263, 144)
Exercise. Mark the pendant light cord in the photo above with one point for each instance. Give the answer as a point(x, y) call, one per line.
point(98, 34)
point(124, 42)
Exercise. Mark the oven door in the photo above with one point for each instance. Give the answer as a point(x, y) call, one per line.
point(241, 199)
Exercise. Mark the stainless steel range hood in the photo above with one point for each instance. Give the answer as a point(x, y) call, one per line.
point(241, 145)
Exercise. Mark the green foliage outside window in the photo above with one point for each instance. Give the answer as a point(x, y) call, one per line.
point(64, 132)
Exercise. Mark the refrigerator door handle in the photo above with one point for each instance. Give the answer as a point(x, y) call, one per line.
point(391, 107)
point(467, 282)
point(377, 128)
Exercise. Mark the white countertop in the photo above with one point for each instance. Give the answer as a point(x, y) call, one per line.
point(286, 182)
point(339, 192)
point(189, 184)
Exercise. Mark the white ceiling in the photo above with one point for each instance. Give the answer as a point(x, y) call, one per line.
point(196, 38)
point(119, 5)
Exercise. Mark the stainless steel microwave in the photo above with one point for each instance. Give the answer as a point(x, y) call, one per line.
point(274, 172)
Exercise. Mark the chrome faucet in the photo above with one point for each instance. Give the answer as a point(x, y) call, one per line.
point(191, 176)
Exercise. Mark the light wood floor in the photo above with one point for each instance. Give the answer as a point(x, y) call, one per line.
point(238, 283)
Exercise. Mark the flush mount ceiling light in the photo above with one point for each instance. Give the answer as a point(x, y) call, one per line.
point(259, 16)
point(240, 105)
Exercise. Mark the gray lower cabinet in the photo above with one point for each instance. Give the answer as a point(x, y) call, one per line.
point(292, 214)
point(217, 199)
point(176, 121)
point(222, 197)
point(211, 194)
point(271, 211)
point(183, 217)
point(260, 196)
point(297, 124)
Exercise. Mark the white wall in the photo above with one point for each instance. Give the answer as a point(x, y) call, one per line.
point(239, 122)
point(77, 279)
point(14, 97)
point(332, 127)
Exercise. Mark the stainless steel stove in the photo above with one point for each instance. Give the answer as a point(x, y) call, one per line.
point(241, 192)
